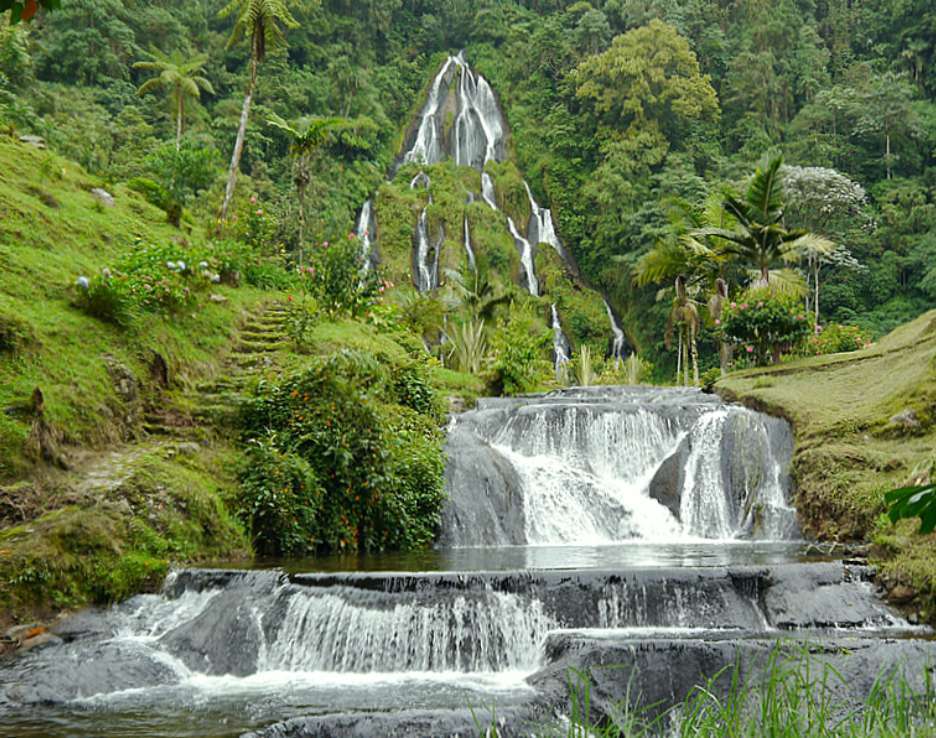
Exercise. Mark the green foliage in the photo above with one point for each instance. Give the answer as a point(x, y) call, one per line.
point(913, 502)
point(109, 298)
point(765, 325)
point(835, 338)
point(279, 499)
point(519, 343)
point(180, 173)
point(368, 432)
point(337, 280)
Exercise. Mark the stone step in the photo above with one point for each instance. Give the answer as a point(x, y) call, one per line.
point(260, 336)
point(259, 347)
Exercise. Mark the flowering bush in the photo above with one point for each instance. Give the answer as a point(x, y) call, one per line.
point(336, 278)
point(764, 326)
point(150, 278)
point(835, 338)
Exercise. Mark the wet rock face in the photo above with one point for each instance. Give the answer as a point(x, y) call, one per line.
point(607, 464)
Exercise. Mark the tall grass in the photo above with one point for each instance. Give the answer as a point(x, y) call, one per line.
point(584, 370)
point(798, 697)
point(468, 346)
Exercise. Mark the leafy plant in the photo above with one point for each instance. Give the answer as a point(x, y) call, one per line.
point(519, 345)
point(913, 502)
point(280, 497)
point(835, 338)
point(584, 371)
point(337, 279)
point(468, 346)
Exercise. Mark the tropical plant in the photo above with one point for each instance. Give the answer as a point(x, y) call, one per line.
point(584, 369)
point(468, 346)
point(917, 501)
point(261, 22)
point(685, 321)
point(177, 75)
point(25, 10)
point(336, 280)
point(476, 292)
point(758, 239)
point(306, 136)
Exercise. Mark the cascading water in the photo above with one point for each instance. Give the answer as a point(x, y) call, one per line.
point(478, 135)
point(365, 231)
point(541, 229)
point(562, 352)
point(618, 340)
point(487, 190)
point(600, 465)
point(526, 258)
point(468, 250)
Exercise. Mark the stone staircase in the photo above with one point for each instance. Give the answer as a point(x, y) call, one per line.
point(217, 401)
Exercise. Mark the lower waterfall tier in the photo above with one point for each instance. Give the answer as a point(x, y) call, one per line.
point(609, 464)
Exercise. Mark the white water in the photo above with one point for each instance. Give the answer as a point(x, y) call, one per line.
point(704, 507)
point(487, 190)
point(468, 250)
point(363, 231)
point(617, 343)
point(327, 632)
point(478, 133)
point(424, 274)
point(541, 229)
point(526, 258)
point(561, 349)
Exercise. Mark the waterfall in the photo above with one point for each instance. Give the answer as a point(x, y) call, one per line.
point(426, 272)
point(364, 230)
point(478, 133)
point(526, 258)
point(420, 180)
point(341, 631)
point(605, 464)
point(541, 229)
point(487, 190)
point(468, 250)
point(618, 340)
point(561, 348)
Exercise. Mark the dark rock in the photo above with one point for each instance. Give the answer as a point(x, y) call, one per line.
point(667, 484)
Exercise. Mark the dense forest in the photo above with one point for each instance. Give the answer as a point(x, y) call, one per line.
point(627, 117)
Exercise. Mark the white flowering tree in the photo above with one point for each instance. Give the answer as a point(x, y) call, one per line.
point(826, 203)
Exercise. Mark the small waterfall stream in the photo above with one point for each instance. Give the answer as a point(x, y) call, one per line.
point(526, 258)
point(562, 352)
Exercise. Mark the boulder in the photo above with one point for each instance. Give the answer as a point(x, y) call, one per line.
point(103, 196)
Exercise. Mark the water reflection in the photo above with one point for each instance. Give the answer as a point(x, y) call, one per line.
point(612, 556)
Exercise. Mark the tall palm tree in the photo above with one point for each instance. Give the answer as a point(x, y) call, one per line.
point(262, 22)
point(758, 239)
point(306, 136)
point(179, 76)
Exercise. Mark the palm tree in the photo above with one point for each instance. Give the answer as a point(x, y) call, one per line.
point(758, 238)
point(179, 76)
point(307, 135)
point(685, 322)
point(259, 21)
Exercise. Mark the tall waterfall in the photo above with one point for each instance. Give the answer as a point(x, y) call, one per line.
point(478, 133)
point(562, 352)
point(526, 258)
point(603, 464)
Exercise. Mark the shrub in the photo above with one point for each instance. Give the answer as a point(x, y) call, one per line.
point(109, 298)
point(835, 338)
point(379, 461)
point(279, 499)
point(519, 345)
point(236, 261)
point(765, 325)
point(335, 277)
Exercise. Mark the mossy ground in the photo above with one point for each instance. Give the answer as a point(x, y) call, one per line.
point(849, 452)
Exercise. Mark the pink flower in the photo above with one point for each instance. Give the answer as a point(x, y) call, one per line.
point(717, 321)
point(734, 305)
point(351, 236)
point(259, 211)
point(324, 244)
point(749, 349)
point(744, 306)
point(253, 199)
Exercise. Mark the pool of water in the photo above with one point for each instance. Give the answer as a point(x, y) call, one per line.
point(612, 556)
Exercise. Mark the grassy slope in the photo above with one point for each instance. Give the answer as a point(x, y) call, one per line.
point(51, 230)
point(849, 453)
point(146, 505)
